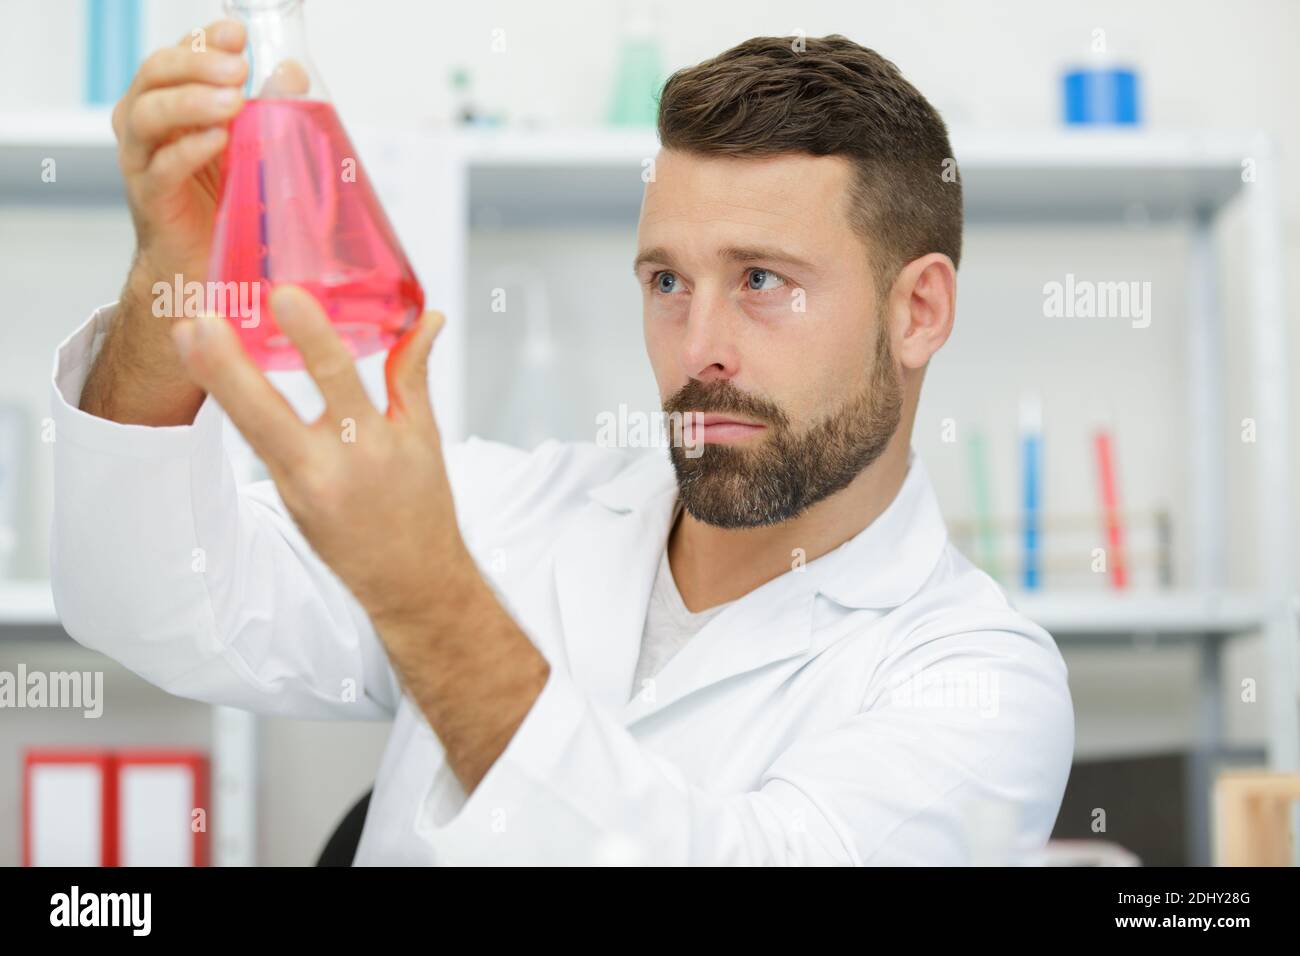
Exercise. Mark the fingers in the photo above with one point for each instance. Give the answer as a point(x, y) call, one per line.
point(223, 33)
point(177, 161)
point(218, 364)
point(152, 112)
point(324, 354)
point(157, 116)
point(289, 78)
point(174, 64)
point(406, 369)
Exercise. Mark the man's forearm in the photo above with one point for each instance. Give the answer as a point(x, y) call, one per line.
point(136, 378)
point(473, 672)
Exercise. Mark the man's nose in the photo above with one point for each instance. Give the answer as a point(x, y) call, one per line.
point(709, 349)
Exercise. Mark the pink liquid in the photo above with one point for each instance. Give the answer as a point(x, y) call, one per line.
point(296, 207)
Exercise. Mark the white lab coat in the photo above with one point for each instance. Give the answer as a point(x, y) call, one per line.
point(863, 709)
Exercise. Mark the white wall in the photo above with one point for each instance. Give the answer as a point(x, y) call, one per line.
point(1203, 64)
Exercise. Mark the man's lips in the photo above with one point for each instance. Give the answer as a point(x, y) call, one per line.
point(718, 428)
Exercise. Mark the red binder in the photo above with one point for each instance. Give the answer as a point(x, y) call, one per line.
point(162, 808)
point(115, 808)
point(69, 808)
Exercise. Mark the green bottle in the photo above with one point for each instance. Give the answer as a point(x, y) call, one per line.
point(639, 75)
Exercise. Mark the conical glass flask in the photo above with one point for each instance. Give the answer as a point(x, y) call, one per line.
point(295, 206)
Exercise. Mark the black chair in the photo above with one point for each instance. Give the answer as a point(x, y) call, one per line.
point(341, 849)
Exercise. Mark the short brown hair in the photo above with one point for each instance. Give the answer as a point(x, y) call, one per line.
point(829, 96)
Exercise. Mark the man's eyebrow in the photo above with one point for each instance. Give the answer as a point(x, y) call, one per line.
point(730, 254)
point(657, 254)
point(763, 254)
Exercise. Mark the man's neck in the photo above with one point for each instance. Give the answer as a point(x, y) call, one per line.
point(714, 565)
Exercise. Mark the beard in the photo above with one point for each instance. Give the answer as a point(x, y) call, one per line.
point(787, 470)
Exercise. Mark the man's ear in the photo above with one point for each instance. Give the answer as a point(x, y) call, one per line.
point(923, 303)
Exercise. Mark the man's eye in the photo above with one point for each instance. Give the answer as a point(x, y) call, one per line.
point(665, 282)
point(760, 280)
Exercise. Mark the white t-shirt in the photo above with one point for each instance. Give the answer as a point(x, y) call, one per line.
point(669, 625)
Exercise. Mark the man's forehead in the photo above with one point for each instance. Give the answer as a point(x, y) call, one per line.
point(790, 191)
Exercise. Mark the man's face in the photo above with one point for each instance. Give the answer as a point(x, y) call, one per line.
point(760, 311)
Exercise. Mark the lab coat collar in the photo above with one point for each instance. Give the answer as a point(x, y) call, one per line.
point(880, 567)
point(889, 560)
point(606, 565)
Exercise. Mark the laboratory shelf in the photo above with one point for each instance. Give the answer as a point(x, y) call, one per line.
point(587, 177)
point(90, 128)
point(26, 604)
point(82, 146)
point(520, 178)
point(1154, 613)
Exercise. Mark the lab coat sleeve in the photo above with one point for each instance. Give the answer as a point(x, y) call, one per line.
point(206, 589)
point(896, 784)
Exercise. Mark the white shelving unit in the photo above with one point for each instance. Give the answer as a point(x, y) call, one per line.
point(26, 604)
point(438, 185)
point(1170, 615)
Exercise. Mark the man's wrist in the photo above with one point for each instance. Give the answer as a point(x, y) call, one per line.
point(137, 377)
point(454, 592)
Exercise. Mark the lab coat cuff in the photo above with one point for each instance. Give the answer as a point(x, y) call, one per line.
point(517, 808)
point(539, 743)
point(72, 363)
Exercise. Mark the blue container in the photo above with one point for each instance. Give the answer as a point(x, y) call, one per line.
point(1108, 97)
point(112, 48)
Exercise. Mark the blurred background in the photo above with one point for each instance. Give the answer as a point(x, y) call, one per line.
point(1152, 452)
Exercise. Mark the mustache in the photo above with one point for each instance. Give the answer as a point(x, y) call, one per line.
point(724, 398)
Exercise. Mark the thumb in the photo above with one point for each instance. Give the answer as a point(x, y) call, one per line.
point(289, 78)
point(406, 370)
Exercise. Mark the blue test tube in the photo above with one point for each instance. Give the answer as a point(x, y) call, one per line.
point(112, 48)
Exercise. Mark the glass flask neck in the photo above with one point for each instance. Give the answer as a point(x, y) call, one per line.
point(280, 65)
